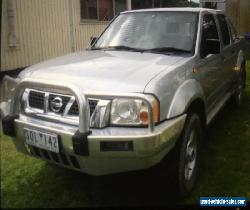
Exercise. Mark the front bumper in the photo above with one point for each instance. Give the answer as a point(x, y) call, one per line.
point(93, 151)
point(146, 151)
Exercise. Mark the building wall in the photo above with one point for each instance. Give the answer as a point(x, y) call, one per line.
point(239, 13)
point(84, 30)
point(219, 5)
point(43, 31)
point(48, 28)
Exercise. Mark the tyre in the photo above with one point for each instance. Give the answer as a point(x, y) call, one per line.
point(238, 95)
point(188, 155)
point(244, 76)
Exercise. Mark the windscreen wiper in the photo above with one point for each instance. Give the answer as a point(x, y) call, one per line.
point(153, 50)
point(168, 49)
point(119, 47)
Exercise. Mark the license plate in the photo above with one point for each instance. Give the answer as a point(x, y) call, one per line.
point(42, 140)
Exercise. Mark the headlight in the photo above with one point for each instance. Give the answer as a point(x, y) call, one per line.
point(133, 111)
point(7, 88)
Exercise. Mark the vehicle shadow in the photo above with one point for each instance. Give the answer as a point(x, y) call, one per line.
point(137, 188)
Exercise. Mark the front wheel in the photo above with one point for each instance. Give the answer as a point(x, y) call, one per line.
point(188, 155)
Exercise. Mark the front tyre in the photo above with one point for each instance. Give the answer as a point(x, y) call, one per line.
point(189, 155)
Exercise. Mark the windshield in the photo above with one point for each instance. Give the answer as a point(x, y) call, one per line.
point(170, 31)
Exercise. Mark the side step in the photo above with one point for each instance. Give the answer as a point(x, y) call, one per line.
point(218, 107)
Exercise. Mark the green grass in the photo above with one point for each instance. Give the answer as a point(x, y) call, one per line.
point(225, 171)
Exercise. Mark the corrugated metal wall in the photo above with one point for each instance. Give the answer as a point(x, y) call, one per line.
point(239, 13)
point(84, 30)
point(43, 31)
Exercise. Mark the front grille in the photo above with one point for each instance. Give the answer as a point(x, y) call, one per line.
point(37, 100)
point(61, 158)
point(92, 105)
point(75, 111)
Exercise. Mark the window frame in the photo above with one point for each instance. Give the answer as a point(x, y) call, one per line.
point(232, 31)
point(87, 20)
point(192, 51)
point(220, 31)
point(201, 33)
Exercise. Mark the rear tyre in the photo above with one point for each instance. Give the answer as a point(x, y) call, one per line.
point(238, 95)
point(188, 155)
point(244, 76)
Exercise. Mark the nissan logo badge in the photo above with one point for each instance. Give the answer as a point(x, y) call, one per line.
point(56, 104)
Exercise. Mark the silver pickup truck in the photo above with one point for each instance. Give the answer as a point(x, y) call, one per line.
point(150, 83)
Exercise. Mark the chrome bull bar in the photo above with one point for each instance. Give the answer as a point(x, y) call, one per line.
point(81, 98)
point(71, 88)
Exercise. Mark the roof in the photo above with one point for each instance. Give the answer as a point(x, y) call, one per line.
point(176, 9)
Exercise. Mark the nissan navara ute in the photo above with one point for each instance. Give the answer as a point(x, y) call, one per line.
point(150, 83)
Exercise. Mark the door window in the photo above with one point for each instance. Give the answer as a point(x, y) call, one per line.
point(209, 32)
point(224, 29)
point(233, 31)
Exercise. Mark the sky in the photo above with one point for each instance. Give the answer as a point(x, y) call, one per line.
point(196, 1)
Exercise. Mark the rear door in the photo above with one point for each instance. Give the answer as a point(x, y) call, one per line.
point(228, 53)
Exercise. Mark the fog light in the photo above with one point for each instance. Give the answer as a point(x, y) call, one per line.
point(106, 146)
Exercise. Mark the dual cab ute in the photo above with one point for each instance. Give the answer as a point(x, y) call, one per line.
point(151, 82)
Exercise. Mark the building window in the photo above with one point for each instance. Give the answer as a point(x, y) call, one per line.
point(210, 5)
point(101, 10)
point(144, 4)
point(138, 4)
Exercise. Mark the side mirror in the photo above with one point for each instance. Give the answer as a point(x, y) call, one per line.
point(212, 46)
point(92, 40)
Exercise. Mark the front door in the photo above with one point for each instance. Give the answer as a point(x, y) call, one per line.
point(210, 65)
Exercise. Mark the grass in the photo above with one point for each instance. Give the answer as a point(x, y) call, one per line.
point(225, 171)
